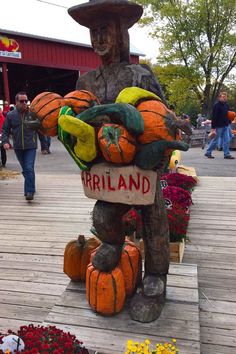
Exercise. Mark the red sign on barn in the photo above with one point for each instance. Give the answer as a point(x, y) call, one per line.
point(9, 47)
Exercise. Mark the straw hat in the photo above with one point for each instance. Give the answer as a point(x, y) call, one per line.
point(86, 14)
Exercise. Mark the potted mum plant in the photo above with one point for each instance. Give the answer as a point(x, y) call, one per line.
point(178, 219)
point(180, 180)
point(33, 339)
point(146, 347)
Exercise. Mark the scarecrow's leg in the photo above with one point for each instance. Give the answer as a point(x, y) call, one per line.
point(107, 221)
point(146, 305)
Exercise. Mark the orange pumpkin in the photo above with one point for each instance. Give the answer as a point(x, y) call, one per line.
point(131, 266)
point(231, 115)
point(80, 100)
point(157, 120)
point(46, 107)
point(116, 144)
point(49, 131)
point(105, 291)
point(77, 257)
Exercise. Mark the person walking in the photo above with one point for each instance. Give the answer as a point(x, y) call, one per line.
point(45, 142)
point(220, 127)
point(24, 142)
point(200, 120)
point(3, 151)
point(6, 108)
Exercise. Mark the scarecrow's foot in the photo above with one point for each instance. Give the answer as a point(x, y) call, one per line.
point(154, 285)
point(148, 302)
point(146, 309)
point(107, 257)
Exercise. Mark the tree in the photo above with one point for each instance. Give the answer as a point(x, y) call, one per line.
point(178, 84)
point(199, 34)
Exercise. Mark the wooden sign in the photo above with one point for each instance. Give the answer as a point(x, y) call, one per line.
point(126, 184)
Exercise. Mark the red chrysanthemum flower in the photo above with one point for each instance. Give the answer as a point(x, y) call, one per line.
point(178, 222)
point(47, 340)
point(178, 195)
point(179, 180)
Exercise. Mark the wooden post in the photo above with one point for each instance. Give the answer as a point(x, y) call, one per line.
point(5, 83)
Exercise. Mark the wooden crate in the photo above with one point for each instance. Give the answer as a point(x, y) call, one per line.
point(176, 251)
point(188, 171)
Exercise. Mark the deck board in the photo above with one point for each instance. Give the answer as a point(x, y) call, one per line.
point(212, 246)
point(179, 318)
point(33, 237)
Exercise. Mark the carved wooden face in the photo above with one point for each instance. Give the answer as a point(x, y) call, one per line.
point(103, 38)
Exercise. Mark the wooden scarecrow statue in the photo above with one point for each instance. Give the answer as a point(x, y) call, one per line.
point(119, 131)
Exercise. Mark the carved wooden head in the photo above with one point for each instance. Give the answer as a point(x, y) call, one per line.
point(108, 21)
point(110, 40)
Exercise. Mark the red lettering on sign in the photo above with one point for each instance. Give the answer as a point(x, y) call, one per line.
point(145, 185)
point(82, 177)
point(96, 182)
point(103, 182)
point(110, 188)
point(121, 183)
point(134, 183)
point(88, 180)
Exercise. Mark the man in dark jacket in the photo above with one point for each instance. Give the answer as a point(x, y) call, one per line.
point(220, 127)
point(24, 142)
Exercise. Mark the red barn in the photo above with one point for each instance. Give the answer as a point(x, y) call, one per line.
point(40, 56)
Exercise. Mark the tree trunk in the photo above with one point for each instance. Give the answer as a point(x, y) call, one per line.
point(206, 106)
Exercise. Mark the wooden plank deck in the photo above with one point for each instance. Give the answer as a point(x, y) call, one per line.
point(33, 237)
point(179, 318)
point(212, 233)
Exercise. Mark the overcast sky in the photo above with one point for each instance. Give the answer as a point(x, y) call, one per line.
point(49, 19)
point(138, 36)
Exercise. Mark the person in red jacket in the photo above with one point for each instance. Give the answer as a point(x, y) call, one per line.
point(3, 151)
point(6, 108)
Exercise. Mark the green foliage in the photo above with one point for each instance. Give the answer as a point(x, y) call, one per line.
point(178, 83)
point(232, 97)
point(199, 34)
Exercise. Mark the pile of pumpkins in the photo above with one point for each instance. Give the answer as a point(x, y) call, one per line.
point(131, 130)
point(105, 291)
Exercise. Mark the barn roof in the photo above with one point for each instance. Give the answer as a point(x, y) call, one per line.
point(32, 18)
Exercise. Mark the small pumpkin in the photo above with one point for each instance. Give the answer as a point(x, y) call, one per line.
point(105, 291)
point(49, 131)
point(46, 107)
point(158, 122)
point(131, 266)
point(77, 257)
point(231, 115)
point(80, 100)
point(116, 144)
